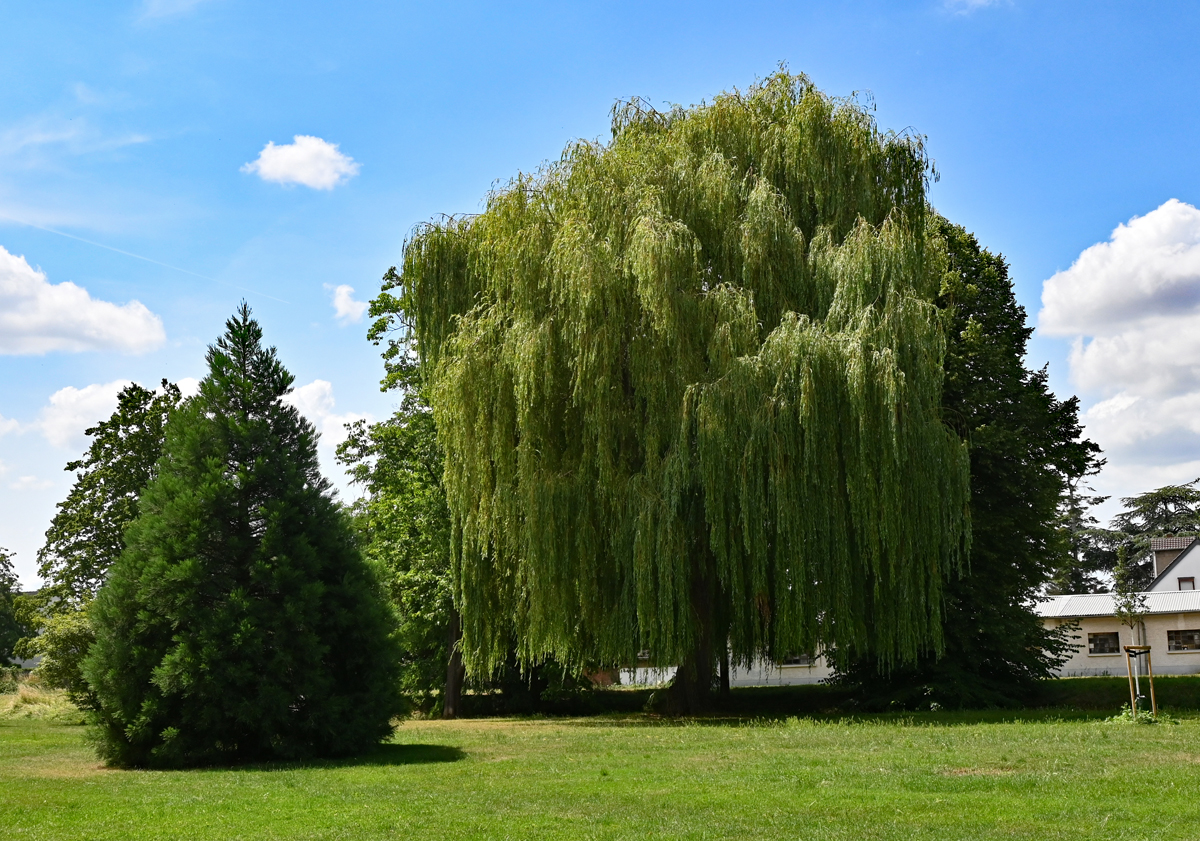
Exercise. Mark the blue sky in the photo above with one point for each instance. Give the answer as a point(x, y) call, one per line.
point(130, 125)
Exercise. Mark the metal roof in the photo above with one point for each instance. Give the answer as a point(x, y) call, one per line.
point(1101, 604)
point(1158, 544)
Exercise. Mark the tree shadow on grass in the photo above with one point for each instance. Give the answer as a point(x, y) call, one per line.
point(388, 754)
point(392, 754)
point(955, 718)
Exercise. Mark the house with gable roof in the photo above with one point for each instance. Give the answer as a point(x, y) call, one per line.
point(1171, 627)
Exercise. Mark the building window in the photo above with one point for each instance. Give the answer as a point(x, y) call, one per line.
point(797, 660)
point(1188, 583)
point(1104, 643)
point(1183, 640)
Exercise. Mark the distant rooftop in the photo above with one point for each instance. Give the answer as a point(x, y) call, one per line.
point(1101, 604)
point(1158, 544)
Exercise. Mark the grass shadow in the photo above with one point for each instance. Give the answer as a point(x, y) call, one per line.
point(383, 755)
point(956, 718)
point(418, 754)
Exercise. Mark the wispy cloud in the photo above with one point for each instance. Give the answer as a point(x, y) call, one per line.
point(307, 160)
point(32, 138)
point(167, 8)
point(30, 483)
point(965, 7)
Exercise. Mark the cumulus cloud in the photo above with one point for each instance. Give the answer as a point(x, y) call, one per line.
point(8, 425)
point(316, 402)
point(70, 411)
point(37, 316)
point(189, 386)
point(1131, 308)
point(345, 309)
point(307, 160)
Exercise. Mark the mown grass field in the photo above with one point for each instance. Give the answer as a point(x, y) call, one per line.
point(1039, 775)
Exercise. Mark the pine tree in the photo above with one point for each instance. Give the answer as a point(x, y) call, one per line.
point(688, 385)
point(240, 622)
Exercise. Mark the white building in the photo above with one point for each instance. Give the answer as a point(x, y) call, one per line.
point(1171, 627)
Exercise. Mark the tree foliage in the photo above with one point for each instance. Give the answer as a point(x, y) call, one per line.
point(1169, 511)
point(11, 627)
point(87, 533)
point(689, 384)
point(241, 622)
point(1090, 551)
point(1025, 444)
point(1129, 602)
point(405, 529)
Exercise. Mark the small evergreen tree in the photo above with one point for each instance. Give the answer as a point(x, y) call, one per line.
point(240, 622)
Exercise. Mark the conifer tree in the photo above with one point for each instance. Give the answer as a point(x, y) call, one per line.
point(240, 622)
point(688, 385)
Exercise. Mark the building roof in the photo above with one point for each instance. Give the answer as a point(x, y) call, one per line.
point(1182, 563)
point(1158, 544)
point(1101, 604)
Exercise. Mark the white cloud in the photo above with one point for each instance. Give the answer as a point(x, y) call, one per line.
point(31, 483)
point(345, 309)
point(28, 139)
point(1149, 268)
point(189, 386)
point(307, 160)
point(8, 425)
point(1131, 308)
point(71, 411)
point(37, 316)
point(315, 401)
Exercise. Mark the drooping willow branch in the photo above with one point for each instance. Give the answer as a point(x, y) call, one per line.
point(714, 337)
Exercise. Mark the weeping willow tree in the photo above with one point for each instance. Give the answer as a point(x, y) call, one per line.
point(688, 386)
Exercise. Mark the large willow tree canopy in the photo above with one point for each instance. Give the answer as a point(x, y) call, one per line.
point(700, 358)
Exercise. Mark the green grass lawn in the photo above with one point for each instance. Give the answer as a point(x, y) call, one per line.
point(933, 775)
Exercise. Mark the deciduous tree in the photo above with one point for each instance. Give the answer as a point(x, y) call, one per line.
point(688, 385)
point(1025, 444)
point(87, 533)
point(11, 628)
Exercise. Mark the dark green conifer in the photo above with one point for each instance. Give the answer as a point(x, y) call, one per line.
point(241, 622)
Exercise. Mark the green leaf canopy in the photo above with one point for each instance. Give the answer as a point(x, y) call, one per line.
point(691, 379)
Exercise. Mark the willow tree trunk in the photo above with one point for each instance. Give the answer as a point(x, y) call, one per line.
point(691, 690)
point(455, 672)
